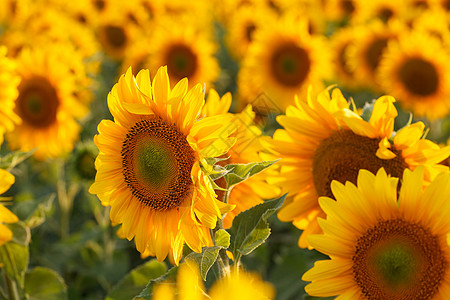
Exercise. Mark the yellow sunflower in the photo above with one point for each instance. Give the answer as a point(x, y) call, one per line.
point(46, 104)
point(149, 169)
point(186, 50)
point(282, 62)
point(384, 10)
point(370, 42)
point(246, 150)
point(416, 75)
point(436, 22)
point(382, 246)
point(9, 81)
point(242, 285)
point(323, 140)
point(6, 216)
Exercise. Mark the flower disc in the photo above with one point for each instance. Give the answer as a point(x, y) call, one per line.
point(419, 77)
point(181, 61)
point(290, 65)
point(157, 162)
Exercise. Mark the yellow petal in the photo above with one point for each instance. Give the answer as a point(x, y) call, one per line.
point(383, 151)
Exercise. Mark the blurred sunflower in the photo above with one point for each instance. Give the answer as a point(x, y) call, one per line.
point(384, 10)
point(383, 246)
point(149, 169)
point(343, 11)
point(339, 43)
point(370, 41)
point(187, 52)
point(416, 75)
point(242, 285)
point(6, 216)
point(323, 140)
point(9, 81)
point(46, 104)
point(282, 62)
point(436, 23)
point(246, 150)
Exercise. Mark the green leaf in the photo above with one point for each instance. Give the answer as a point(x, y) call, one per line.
point(21, 233)
point(44, 284)
point(250, 228)
point(222, 238)
point(204, 260)
point(14, 258)
point(133, 283)
point(34, 211)
point(12, 159)
point(147, 292)
point(240, 172)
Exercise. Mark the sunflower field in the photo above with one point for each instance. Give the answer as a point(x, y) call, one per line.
point(224, 149)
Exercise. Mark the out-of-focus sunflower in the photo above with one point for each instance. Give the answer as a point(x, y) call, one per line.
point(9, 81)
point(137, 57)
point(343, 11)
point(46, 104)
point(383, 246)
point(246, 150)
point(187, 52)
point(370, 41)
point(323, 140)
point(416, 75)
point(436, 22)
point(6, 216)
point(149, 166)
point(384, 10)
point(12, 11)
point(242, 25)
point(282, 62)
point(238, 285)
point(339, 43)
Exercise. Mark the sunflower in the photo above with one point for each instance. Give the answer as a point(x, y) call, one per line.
point(9, 81)
point(343, 11)
point(242, 285)
point(6, 216)
point(416, 75)
point(381, 246)
point(46, 104)
point(282, 62)
point(149, 169)
point(370, 41)
point(435, 22)
point(323, 140)
point(384, 10)
point(187, 51)
point(246, 150)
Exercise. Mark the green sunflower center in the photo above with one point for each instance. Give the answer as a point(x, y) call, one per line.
point(341, 156)
point(38, 102)
point(397, 259)
point(181, 61)
point(115, 36)
point(290, 65)
point(419, 77)
point(157, 161)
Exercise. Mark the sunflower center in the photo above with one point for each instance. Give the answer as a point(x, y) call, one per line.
point(341, 156)
point(348, 6)
point(290, 65)
point(249, 29)
point(99, 4)
point(115, 36)
point(385, 14)
point(181, 62)
point(397, 259)
point(419, 77)
point(157, 162)
point(374, 52)
point(38, 102)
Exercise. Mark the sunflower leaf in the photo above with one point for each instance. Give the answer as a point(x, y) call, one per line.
point(147, 292)
point(130, 285)
point(250, 228)
point(204, 260)
point(12, 159)
point(43, 283)
point(222, 238)
point(14, 258)
point(241, 172)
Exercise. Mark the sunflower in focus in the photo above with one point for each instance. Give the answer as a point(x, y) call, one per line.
point(323, 140)
point(9, 81)
point(416, 75)
point(150, 164)
point(282, 62)
point(246, 150)
point(382, 246)
point(6, 216)
point(242, 285)
point(187, 51)
point(46, 104)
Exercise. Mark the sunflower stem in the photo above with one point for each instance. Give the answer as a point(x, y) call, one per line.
point(12, 288)
point(65, 198)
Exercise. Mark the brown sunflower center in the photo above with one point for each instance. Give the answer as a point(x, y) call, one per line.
point(290, 65)
point(99, 4)
point(181, 61)
point(38, 102)
point(348, 6)
point(115, 36)
point(157, 162)
point(249, 29)
point(374, 51)
point(341, 156)
point(419, 76)
point(397, 259)
point(385, 14)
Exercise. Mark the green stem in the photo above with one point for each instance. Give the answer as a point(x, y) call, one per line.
point(65, 198)
point(12, 288)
